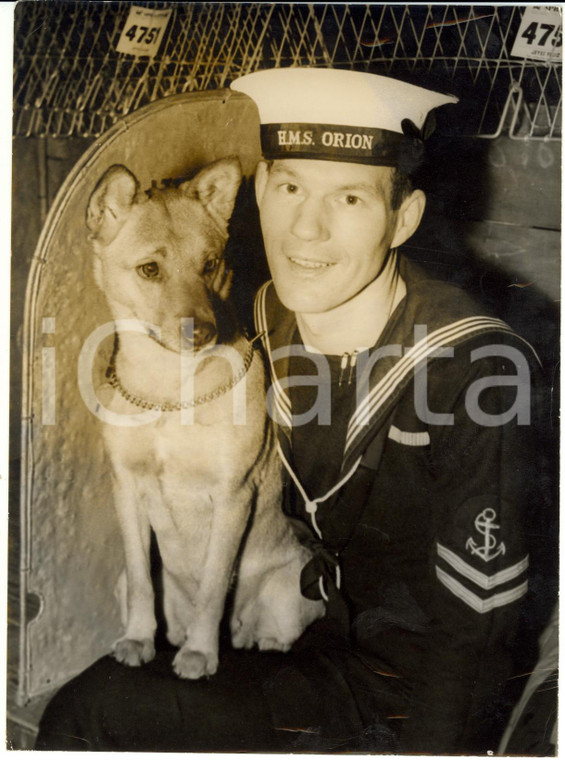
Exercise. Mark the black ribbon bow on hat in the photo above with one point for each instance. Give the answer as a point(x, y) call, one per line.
point(428, 127)
point(412, 154)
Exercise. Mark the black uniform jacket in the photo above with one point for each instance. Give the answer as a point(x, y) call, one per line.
point(419, 547)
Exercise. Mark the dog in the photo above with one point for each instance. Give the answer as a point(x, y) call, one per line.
point(159, 261)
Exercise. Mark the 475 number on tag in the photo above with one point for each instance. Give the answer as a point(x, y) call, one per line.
point(143, 31)
point(141, 34)
point(540, 35)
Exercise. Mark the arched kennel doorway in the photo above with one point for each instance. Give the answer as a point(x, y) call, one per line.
point(71, 545)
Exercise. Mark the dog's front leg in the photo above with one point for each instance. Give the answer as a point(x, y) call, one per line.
point(199, 654)
point(137, 644)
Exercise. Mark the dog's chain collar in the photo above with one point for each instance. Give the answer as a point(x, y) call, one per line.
point(167, 406)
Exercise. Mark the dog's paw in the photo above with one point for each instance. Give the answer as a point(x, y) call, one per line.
point(193, 665)
point(241, 635)
point(133, 652)
point(266, 643)
point(242, 640)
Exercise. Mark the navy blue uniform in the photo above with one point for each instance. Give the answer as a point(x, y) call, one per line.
point(425, 535)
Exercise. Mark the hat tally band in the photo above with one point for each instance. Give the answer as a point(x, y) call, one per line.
point(332, 142)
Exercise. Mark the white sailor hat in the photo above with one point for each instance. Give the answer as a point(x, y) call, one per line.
point(338, 115)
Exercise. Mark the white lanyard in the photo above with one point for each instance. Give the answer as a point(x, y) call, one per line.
point(312, 505)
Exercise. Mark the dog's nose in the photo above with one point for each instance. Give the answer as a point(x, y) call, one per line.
point(204, 332)
point(198, 333)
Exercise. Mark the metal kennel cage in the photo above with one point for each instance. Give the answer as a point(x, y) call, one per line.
point(71, 79)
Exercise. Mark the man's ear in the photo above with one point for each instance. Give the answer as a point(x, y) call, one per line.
point(408, 218)
point(261, 178)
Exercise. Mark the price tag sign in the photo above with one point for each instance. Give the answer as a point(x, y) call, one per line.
point(540, 36)
point(143, 31)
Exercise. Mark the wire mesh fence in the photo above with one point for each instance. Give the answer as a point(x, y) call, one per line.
point(70, 79)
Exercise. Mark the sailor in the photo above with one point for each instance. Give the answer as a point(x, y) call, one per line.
point(403, 414)
point(407, 459)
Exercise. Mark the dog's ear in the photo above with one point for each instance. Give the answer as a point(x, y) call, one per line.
point(110, 203)
point(216, 188)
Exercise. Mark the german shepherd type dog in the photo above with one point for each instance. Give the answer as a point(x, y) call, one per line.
point(197, 484)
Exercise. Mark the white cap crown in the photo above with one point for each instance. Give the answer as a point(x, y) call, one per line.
point(333, 96)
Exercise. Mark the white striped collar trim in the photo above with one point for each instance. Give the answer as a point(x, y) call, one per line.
point(387, 385)
point(282, 402)
point(486, 582)
point(374, 400)
point(418, 351)
point(475, 602)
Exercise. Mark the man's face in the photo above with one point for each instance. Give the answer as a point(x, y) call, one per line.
point(327, 228)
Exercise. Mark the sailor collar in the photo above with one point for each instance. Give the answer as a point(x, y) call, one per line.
point(428, 319)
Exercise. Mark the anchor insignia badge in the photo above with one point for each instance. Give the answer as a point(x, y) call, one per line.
point(485, 525)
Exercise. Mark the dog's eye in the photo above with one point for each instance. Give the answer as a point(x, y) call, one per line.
point(210, 266)
point(149, 270)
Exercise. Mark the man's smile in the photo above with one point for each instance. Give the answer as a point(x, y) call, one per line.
point(310, 263)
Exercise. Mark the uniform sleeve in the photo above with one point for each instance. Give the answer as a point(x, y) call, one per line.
point(483, 469)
